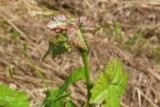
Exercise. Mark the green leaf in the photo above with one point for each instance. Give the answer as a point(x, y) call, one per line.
point(57, 46)
point(12, 98)
point(110, 85)
point(56, 96)
point(69, 103)
point(78, 74)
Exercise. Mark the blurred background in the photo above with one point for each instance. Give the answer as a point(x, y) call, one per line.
point(133, 35)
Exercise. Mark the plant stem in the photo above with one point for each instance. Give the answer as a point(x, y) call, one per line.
point(87, 74)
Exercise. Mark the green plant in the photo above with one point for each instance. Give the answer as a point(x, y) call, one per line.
point(111, 83)
point(132, 41)
point(12, 98)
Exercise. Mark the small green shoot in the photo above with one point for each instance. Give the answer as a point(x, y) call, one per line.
point(118, 30)
point(11, 71)
point(70, 32)
point(132, 41)
point(15, 35)
point(110, 84)
point(157, 54)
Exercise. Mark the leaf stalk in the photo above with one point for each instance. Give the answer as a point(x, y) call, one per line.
point(87, 75)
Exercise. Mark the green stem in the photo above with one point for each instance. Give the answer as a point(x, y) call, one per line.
point(87, 74)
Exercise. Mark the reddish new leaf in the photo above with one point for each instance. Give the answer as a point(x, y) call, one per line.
point(79, 34)
point(76, 38)
point(88, 37)
point(57, 23)
point(87, 25)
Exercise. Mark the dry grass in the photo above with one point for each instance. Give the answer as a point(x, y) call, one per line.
point(24, 20)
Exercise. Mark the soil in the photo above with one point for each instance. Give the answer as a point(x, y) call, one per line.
point(24, 40)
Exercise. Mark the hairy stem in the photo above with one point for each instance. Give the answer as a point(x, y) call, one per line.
point(87, 74)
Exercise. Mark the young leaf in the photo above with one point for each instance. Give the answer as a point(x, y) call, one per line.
point(78, 34)
point(57, 46)
point(110, 85)
point(58, 95)
point(88, 37)
point(60, 23)
point(76, 38)
point(57, 23)
point(12, 98)
point(87, 25)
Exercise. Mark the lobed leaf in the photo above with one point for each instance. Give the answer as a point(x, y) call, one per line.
point(60, 23)
point(55, 99)
point(58, 46)
point(87, 25)
point(76, 38)
point(78, 34)
point(88, 38)
point(12, 98)
point(110, 85)
point(57, 23)
point(57, 96)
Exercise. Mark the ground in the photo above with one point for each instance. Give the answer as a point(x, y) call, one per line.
point(133, 35)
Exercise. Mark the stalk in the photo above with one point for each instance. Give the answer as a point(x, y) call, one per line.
point(87, 74)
